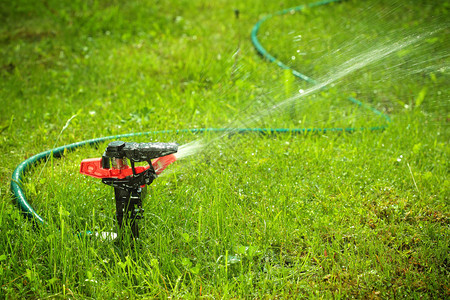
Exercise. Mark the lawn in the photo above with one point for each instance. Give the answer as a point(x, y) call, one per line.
point(321, 214)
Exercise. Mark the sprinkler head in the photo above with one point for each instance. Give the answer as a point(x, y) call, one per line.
point(129, 182)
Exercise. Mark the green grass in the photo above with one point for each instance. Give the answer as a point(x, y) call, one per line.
point(362, 215)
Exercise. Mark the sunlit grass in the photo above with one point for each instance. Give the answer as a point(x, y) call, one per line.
point(251, 215)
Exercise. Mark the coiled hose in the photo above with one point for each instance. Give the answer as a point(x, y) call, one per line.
point(21, 170)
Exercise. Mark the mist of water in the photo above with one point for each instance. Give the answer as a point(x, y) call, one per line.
point(364, 59)
point(189, 149)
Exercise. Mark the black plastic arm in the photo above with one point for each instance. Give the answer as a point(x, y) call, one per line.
point(138, 152)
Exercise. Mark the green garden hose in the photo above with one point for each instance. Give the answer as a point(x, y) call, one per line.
point(20, 171)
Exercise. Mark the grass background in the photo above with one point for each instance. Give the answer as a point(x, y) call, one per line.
point(317, 215)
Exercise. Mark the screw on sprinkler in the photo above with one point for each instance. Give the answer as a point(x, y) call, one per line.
point(130, 182)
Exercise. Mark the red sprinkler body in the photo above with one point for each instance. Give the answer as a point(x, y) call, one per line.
point(130, 182)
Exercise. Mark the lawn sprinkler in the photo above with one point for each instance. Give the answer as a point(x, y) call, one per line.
point(130, 183)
